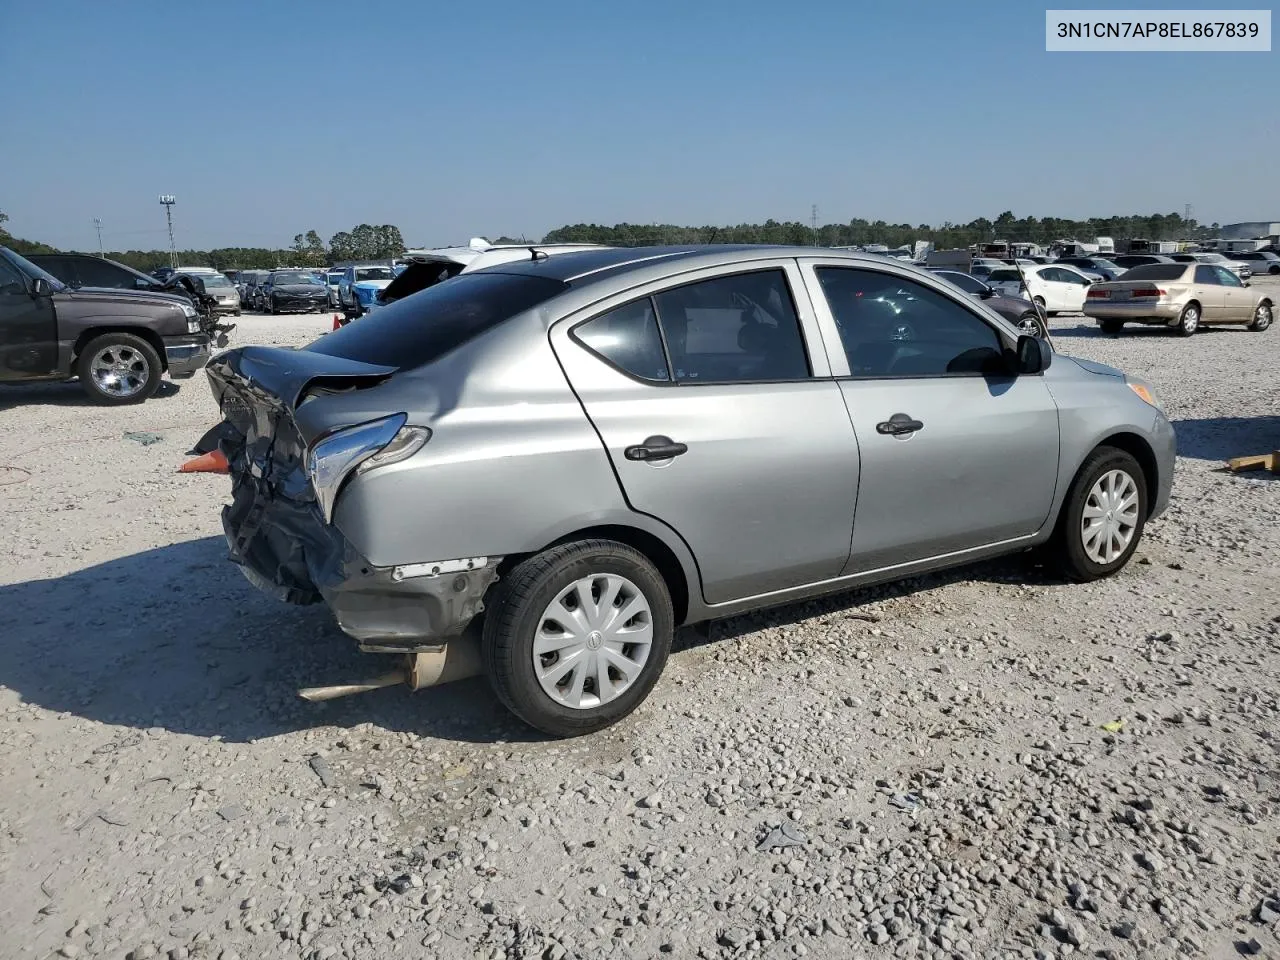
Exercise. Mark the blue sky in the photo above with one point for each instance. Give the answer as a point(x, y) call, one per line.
point(453, 120)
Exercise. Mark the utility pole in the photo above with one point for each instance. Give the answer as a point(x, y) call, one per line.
point(169, 200)
point(97, 222)
point(813, 217)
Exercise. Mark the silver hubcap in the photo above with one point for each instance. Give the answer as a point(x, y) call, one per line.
point(1190, 318)
point(1262, 319)
point(1110, 517)
point(119, 371)
point(593, 641)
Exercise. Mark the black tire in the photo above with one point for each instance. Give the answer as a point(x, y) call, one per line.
point(1030, 321)
point(1111, 326)
point(1189, 320)
point(513, 617)
point(136, 352)
point(1262, 318)
point(1067, 547)
point(273, 307)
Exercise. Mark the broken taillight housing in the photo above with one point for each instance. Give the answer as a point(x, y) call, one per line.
point(352, 450)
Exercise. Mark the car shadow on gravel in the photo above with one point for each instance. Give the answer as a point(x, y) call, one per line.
point(1221, 438)
point(1019, 568)
point(65, 394)
point(176, 638)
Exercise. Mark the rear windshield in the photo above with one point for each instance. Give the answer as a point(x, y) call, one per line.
point(1005, 274)
point(1156, 271)
point(427, 325)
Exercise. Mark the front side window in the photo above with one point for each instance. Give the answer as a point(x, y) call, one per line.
point(894, 327)
point(11, 281)
point(1226, 277)
point(628, 338)
point(733, 329)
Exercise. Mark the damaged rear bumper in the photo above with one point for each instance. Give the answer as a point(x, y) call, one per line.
point(285, 549)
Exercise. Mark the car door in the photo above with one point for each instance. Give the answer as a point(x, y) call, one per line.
point(955, 453)
point(1207, 289)
point(28, 328)
point(1238, 306)
point(1075, 288)
point(713, 400)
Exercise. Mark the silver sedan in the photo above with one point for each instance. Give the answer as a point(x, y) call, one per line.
point(541, 469)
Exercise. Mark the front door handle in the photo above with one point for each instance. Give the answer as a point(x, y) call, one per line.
point(655, 448)
point(898, 424)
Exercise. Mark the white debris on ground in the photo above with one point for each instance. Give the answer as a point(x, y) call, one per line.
point(982, 763)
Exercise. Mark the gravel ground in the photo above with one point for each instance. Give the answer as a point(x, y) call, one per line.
point(982, 763)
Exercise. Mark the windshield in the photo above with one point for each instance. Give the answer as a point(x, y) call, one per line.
point(1005, 275)
point(31, 270)
point(373, 273)
point(334, 279)
point(280, 278)
point(426, 325)
point(1157, 271)
point(1211, 258)
point(215, 280)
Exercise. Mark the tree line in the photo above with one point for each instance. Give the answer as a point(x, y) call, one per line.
point(383, 242)
point(857, 232)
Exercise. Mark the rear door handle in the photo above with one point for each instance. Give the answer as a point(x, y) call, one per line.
point(898, 424)
point(655, 448)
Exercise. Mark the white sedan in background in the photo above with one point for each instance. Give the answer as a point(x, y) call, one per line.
point(1058, 288)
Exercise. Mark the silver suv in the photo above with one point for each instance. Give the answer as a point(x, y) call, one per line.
point(543, 468)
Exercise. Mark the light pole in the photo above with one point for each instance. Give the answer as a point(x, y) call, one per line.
point(97, 222)
point(169, 200)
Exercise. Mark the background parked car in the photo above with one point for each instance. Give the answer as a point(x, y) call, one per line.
point(252, 281)
point(293, 291)
point(1239, 268)
point(216, 285)
point(373, 276)
point(83, 270)
point(1259, 261)
point(1130, 260)
point(1016, 310)
point(1058, 289)
point(332, 279)
point(1102, 267)
point(117, 343)
point(1183, 296)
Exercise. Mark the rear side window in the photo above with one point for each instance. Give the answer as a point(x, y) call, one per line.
point(425, 326)
point(1205, 274)
point(733, 329)
point(628, 338)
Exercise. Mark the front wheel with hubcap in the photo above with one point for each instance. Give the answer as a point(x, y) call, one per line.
point(1189, 321)
point(1261, 318)
point(119, 368)
point(576, 637)
point(1102, 517)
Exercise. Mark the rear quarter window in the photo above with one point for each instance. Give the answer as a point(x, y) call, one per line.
point(425, 326)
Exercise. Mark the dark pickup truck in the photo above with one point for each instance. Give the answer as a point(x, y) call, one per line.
point(119, 343)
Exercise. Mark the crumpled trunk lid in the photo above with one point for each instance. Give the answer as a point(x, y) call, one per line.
point(273, 526)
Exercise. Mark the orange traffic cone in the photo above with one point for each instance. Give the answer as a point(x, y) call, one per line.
point(337, 323)
point(212, 462)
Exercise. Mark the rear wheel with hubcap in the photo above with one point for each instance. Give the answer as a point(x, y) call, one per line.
point(1111, 326)
point(576, 637)
point(1189, 321)
point(1102, 517)
point(1261, 318)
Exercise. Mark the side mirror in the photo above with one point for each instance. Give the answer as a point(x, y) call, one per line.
point(987, 293)
point(41, 287)
point(1034, 355)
